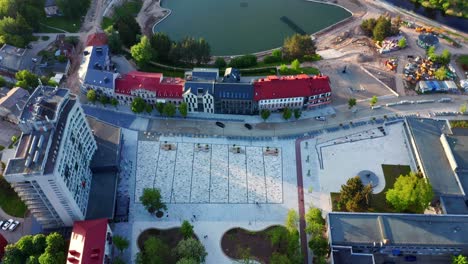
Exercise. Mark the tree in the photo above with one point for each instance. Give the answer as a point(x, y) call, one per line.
point(402, 43)
point(14, 139)
point(460, 259)
point(278, 258)
point(368, 26)
point(160, 107)
point(73, 8)
point(128, 29)
point(2, 82)
point(410, 191)
point(120, 242)
point(296, 65)
point(15, 31)
point(319, 245)
point(138, 105)
point(265, 113)
point(114, 102)
point(154, 251)
point(55, 243)
point(220, 63)
point(91, 95)
point(354, 195)
point(351, 102)
point(374, 100)
point(191, 248)
point(114, 42)
point(25, 244)
point(292, 220)
point(382, 29)
point(161, 45)
point(277, 53)
point(152, 200)
point(445, 57)
point(186, 229)
point(202, 52)
point(287, 113)
point(148, 108)
point(104, 100)
point(314, 216)
point(142, 52)
point(32, 260)
point(187, 261)
point(243, 61)
point(283, 67)
point(298, 46)
point(441, 73)
point(169, 109)
point(27, 80)
point(37, 249)
point(39, 243)
point(463, 108)
point(297, 113)
point(13, 255)
point(118, 260)
point(183, 109)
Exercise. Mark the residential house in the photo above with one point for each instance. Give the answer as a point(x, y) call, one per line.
point(90, 242)
point(295, 92)
point(13, 103)
point(152, 87)
point(13, 60)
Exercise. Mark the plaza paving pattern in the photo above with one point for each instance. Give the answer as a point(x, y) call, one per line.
point(210, 173)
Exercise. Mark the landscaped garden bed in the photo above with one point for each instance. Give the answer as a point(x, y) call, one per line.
point(378, 202)
point(238, 243)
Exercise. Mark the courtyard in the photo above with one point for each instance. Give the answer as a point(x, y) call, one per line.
point(188, 172)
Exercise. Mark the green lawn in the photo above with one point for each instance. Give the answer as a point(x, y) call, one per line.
point(131, 7)
point(9, 200)
point(378, 202)
point(306, 70)
point(67, 24)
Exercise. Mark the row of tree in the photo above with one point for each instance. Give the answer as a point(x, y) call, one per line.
point(168, 109)
point(315, 227)
point(450, 7)
point(93, 97)
point(287, 113)
point(381, 27)
point(39, 248)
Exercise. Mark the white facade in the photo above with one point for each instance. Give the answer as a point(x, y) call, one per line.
point(50, 171)
point(275, 104)
point(193, 102)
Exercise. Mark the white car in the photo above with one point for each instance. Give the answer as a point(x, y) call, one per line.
point(13, 226)
point(7, 224)
point(320, 118)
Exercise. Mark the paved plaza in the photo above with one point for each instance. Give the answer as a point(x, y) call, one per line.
point(209, 173)
point(330, 159)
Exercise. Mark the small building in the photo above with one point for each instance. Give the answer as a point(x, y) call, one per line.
point(381, 237)
point(96, 71)
point(427, 40)
point(51, 8)
point(90, 242)
point(152, 87)
point(234, 98)
point(436, 86)
point(295, 92)
point(13, 103)
point(202, 74)
point(13, 60)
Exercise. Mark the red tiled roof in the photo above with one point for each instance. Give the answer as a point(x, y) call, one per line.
point(87, 242)
point(302, 85)
point(3, 243)
point(154, 82)
point(97, 39)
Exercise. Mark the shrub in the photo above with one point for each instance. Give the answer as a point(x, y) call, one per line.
point(244, 61)
point(271, 59)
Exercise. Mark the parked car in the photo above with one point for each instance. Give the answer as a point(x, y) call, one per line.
point(7, 224)
point(320, 118)
point(14, 225)
point(1, 223)
point(221, 125)
point(248, 126)
point(410, 258)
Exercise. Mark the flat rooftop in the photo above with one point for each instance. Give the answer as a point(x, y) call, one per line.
point(454, 204)
point(43, 104)
point(459, 145)
point(101, 203)
point(108, 138)
point(426, 134)
point(350, 229)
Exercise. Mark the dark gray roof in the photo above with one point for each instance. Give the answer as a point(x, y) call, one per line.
point(108, 144)
point(208, 74)
point(454, 204)
point(344, 256)
point(15, 100)
point(50, 3)
point(98, 72)
point(17, 59)
point(426, 134)
point(194, 86)
point(399, 229)
point(459, 144)
point(234, 91)
point(231, 75)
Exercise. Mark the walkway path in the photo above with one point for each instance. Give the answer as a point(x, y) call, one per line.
point(300, 194)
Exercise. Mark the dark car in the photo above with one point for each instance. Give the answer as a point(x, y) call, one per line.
point(221, 125)
point(410, 258)
point(248, 126)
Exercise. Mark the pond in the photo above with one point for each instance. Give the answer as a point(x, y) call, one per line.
point(234, 27)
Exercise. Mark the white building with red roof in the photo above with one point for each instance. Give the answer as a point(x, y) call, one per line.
point(90, 242)
point(152, 87)
point(295, 92)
